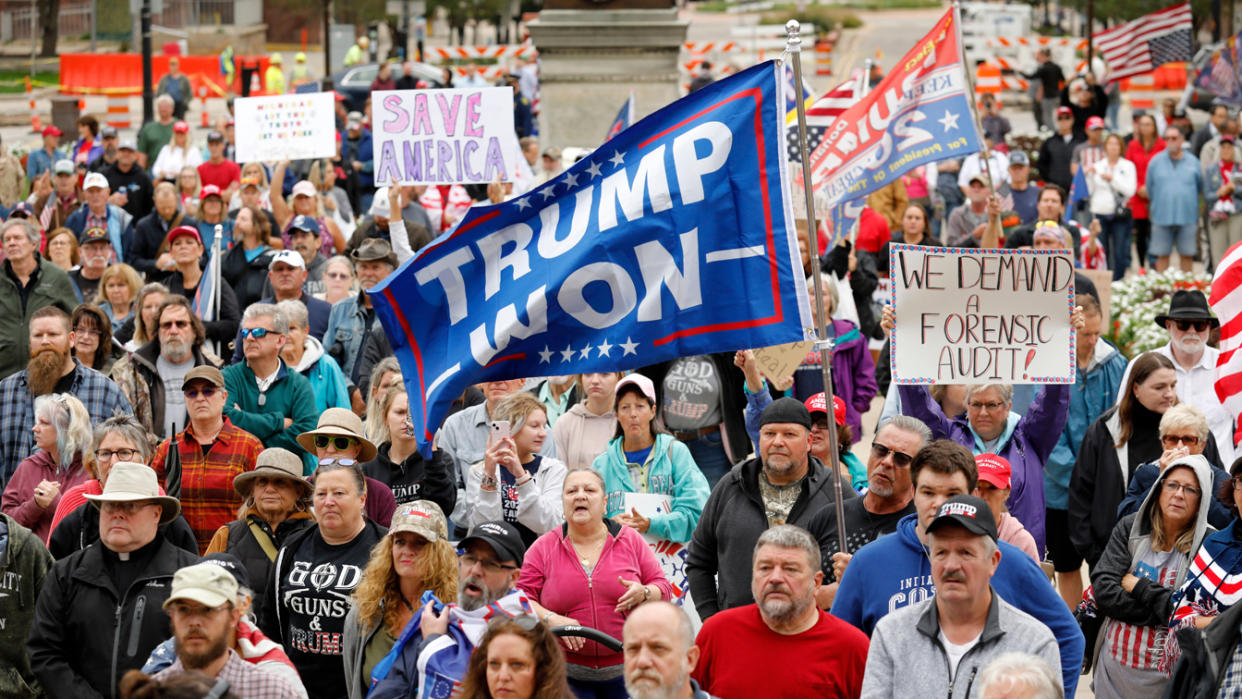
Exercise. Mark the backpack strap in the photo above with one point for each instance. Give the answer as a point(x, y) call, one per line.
point(265, 541)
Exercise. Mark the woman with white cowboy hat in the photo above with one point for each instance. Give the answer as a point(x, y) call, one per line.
point(339, 439)
point(94, 619)
point(276, 505)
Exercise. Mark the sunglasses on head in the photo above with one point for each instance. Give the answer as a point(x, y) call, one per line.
point(341, 443)
point(256, 333)
point(1198, 325)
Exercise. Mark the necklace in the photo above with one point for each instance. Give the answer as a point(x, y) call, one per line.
point(585, 554)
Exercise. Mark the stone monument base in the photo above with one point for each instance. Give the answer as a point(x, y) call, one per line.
point(590, 62)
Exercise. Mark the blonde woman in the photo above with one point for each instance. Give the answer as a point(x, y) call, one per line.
point(414, 557)
point(338, 279)
point(62, 249)
point(514, 482)
point(189, 184)
point(118, 289)
point(62, 432)
point(397, 463)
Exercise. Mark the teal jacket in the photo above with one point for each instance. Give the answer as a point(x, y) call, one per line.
point(290, 396)
point(671, 471)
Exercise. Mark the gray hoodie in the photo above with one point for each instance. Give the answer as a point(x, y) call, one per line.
point(1149, 603)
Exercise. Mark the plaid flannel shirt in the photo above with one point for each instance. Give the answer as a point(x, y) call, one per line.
point(208, 500)
point(245, 679)
point(97, 392)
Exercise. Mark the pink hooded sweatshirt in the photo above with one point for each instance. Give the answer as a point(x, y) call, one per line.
point(553, 577)
point(1012, 532)
point(18, 500)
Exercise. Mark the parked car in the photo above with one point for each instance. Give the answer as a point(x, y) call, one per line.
point(354, 82)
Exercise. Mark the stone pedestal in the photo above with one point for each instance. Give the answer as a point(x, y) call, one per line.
point(592, 59)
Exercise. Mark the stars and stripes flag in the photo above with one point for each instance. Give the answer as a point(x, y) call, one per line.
point(1144, 44)
point(1226, 302)
point(820, 115)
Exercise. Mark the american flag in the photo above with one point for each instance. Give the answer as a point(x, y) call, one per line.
point(1226, 302)
point(819, 116)
point(1141, 45)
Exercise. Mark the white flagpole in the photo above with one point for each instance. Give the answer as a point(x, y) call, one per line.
point(793, 46)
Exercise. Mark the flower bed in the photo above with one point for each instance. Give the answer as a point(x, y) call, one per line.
point(1137, 301)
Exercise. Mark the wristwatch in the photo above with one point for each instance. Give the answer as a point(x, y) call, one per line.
point(489, 482)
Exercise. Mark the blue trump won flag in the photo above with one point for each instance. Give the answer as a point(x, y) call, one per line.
point(674, 239)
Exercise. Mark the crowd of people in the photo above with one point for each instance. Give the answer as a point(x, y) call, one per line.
point(210, 478)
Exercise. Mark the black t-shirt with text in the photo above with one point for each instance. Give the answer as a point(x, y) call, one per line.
point(314, 599)
point(861, 528)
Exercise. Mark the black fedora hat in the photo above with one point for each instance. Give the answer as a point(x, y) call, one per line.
point(1188, 304)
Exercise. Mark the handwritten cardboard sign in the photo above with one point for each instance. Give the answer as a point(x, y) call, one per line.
point(978, 316)
point(280, 127)
point(779, 361)
point(451, 136)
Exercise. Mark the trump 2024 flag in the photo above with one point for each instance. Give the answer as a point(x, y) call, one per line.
point(676, 238)
point(920, 112)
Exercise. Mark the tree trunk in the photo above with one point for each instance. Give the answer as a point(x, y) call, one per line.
point(49, 12)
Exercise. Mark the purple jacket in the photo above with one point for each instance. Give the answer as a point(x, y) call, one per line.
point(18, 499)
point(853, 374)
point(1026, 443)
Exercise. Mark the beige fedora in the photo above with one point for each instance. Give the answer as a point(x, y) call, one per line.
point(272, 463)
point(339, 422)
point(133, 482)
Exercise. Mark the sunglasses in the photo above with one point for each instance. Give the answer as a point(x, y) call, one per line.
point(328, 461)
point(206, 392)
point(182, 324)
point(902, 460)
point(257, 333)
point(1186, 325)
point(341, 443)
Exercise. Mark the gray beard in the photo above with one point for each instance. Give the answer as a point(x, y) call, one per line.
point(664, 691)
point(783, 612)
point(176, 351)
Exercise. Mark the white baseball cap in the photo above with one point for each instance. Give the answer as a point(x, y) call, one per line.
point(95, 179)
point(290, 257)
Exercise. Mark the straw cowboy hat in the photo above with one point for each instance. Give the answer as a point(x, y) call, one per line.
point(273, 463)
point(133, 482)
point(339, 422)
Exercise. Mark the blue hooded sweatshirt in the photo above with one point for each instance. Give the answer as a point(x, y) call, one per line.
point(894, 571)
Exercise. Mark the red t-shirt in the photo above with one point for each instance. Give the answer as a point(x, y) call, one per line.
point(742, 658)
point(222, 175)
point(872, 230)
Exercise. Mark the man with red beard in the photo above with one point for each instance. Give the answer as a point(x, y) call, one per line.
point(51, 369)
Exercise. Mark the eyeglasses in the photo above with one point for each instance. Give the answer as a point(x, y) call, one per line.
point(1198, 325)
point(86, 331)
point(257, 333)
point(337, 275)
point(120, 454)
point(1189, 440)
point(990, 406)
point(1237, 482)
point(469, 560)
point(341, 443)
point(902, 459)
point(1171, 488)
point(206, 392)
point(181, 324)
point(333, 460)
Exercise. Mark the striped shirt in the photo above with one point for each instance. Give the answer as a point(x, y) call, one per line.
point(208, 500)
point(1142, 647)
point(245, 679)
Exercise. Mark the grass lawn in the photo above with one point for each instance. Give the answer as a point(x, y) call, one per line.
point(12, 81)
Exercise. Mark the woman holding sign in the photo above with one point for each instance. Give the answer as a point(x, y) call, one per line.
point(646, 460)
point(306, 201)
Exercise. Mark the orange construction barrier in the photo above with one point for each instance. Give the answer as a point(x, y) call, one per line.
point(988, 80)
point(1140, 89)
point(118, 111)
point(121, 73)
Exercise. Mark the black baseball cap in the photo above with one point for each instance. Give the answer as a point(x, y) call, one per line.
point(966, 511)
point(232, 564)
point(501, 536)
point(786, 410)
